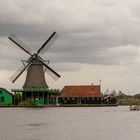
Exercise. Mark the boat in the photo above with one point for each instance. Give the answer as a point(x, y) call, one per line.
point(134, 107)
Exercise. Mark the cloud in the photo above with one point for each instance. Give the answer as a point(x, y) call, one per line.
point(113, 77)
point(119, 55)
point(98, 35)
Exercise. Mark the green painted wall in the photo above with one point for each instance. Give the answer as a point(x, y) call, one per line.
point(39, 101)
point(5, 97)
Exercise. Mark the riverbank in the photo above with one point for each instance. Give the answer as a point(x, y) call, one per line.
point(128, 101)
point(88, 105)
point(64, 105)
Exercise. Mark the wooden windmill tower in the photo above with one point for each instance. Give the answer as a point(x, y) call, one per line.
point(35, 77)
point(35, 85)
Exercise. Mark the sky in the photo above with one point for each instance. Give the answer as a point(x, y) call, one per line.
point(99, 41)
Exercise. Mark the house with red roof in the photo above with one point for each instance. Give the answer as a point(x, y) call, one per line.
point(80, 94)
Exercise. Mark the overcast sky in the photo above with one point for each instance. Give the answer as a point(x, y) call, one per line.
point(98, 40)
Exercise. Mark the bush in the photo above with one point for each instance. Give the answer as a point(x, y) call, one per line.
point(28, 102)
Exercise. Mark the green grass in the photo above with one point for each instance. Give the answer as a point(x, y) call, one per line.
point(129, 102)
point(86, 105)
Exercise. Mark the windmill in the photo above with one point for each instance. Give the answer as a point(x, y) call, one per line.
point(35, 77)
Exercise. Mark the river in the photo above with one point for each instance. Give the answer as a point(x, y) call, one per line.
point(69, 123)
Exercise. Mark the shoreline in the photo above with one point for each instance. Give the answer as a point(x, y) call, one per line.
point(66, 105)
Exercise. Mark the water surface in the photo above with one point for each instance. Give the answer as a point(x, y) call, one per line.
point(69, 123)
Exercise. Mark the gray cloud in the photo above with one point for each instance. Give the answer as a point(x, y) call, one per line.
point(97, 39)
point(87, 29)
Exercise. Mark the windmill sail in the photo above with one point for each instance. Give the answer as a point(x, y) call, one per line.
point(35, 77)
point(15, 76)
point(50, 71)
point(48, 43)
point(51, 74)
point(19, 43)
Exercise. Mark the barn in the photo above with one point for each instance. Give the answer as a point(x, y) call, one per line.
point(80, 94)
point(6, 97)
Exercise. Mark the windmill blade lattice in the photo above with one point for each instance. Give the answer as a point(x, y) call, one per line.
point(15, 76)
point(48, 43)
point(51, 74)
point(19, 43)
point(50, 71)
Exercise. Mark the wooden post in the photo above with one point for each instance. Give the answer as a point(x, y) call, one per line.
point(21, 95)
point(32, 97)
point(56, 100)
point(77, 100)
point(18, 98)
point(38, 96)
point(15, 98)
point(25, 95)
point(43, 98)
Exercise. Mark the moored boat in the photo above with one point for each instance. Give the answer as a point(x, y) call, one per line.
point(134, 108)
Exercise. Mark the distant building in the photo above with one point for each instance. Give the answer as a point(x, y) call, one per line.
point(6, 97)
point(80, 94)
point(110, 99)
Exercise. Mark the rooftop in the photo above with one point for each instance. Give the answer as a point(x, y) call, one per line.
point(81, 91)
point(6, 91)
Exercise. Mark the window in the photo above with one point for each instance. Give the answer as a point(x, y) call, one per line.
point(2, 99)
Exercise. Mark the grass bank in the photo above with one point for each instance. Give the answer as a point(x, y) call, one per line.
point(129, 102)
point(87, 105)
point(63, 105)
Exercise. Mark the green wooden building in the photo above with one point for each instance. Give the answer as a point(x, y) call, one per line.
point(39, 96)
point(6, 97)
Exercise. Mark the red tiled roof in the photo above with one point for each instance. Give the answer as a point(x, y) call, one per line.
point(81, 91)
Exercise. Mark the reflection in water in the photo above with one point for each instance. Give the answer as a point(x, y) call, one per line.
point(36, 124)
point(81, 123)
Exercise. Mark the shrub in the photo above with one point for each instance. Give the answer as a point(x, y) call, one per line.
point(28, 102)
